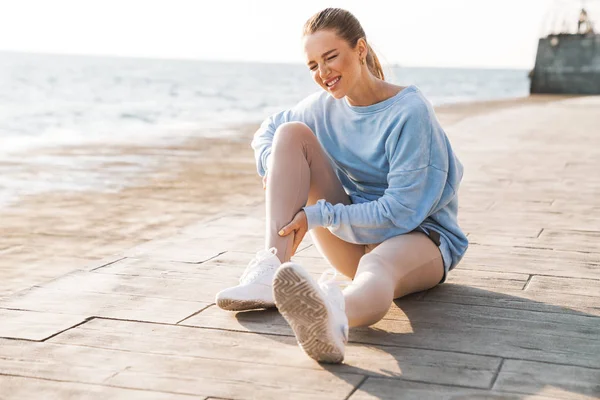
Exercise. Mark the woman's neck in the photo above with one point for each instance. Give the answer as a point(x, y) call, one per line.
point(371, 91)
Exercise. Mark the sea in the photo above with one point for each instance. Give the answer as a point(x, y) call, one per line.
point(61, 101)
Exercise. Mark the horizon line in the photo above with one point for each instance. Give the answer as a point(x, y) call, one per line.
point(233, 61)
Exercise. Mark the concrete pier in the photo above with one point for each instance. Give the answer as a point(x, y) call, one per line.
point(567, 64)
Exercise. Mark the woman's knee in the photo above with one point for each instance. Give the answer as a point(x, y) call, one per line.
point(373, 267)
point(374, 263)
point(292, 133)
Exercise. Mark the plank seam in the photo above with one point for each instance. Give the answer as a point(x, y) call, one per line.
point(538, 274)
point(107, 264)
point(495, 377)
point(362, 381)
point(194, 314)
point(526, 285)
point(145, 256)
point(21, 339)
point(207, 260)
point(116, 373)
point(539, 233)
point(64, 330)
point(391, 378)
point(306, 248)
point(101, 385)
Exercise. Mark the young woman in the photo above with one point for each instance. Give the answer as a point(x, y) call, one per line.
point(366, 168)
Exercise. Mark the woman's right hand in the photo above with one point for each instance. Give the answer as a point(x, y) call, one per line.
point(265, 181)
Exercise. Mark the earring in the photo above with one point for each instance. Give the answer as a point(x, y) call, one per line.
point(362, 61)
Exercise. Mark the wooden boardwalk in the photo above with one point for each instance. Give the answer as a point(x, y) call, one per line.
point(519, 318)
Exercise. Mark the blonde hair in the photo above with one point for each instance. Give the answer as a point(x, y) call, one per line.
point(347, 27)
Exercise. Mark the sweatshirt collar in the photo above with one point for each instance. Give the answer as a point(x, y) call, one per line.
point(381, 105)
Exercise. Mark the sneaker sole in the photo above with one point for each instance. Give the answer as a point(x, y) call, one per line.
point(243, 305)
point(304, 309)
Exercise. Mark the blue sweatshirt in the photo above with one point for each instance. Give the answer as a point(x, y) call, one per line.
point(394, 161)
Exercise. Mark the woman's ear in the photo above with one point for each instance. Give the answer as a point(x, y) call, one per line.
point(362, 48)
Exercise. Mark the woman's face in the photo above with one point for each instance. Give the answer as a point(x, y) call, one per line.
point(333, 64)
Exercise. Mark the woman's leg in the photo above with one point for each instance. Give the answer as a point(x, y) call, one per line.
point(399, 266)
point(300, 173)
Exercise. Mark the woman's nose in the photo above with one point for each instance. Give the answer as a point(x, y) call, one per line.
point(323, 71)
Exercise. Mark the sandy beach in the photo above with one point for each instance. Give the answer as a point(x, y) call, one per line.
point(47, 235)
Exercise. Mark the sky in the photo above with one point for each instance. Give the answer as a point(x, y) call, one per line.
point(438, 33)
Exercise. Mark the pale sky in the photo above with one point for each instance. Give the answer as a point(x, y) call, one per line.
point(441, 33)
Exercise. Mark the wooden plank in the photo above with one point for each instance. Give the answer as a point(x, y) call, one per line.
point(411, 364)
point(503, 205)
point(392, 389)
point(32, 325)
point(477, 237)
point(20, 388)
point(250, 219)
point(564, 240)
point(57, 362)
point(560, 381)
point(226, 267)
point(532, 261)
point(171, 374)
point(569, 286)
point(512, 222)
point(492, 280)
point(199, 249)
point(203, 289)
point(575, 240)
point(585, 205)
point(239, 380)
point(86, 304)
point(180, 248)
point(158, 269)
point(547, 294)
point(541, 301)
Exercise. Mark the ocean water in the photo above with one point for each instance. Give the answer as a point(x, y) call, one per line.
point(50, 100)
point(59, 101)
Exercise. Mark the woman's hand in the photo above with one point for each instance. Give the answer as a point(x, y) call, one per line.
point(299, 226)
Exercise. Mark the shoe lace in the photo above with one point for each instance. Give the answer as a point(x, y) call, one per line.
point(253, 269)
point(332, 287)
point(329, 285)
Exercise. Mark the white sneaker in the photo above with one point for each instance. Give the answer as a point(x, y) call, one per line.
point(315, 311)
point(256, 285)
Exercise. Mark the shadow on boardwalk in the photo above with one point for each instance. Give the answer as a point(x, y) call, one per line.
point(510, 347)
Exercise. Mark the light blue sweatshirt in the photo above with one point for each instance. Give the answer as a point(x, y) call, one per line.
point(393, 159)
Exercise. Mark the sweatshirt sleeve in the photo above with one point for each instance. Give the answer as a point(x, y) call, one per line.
point(263, 137)
point(416, 183)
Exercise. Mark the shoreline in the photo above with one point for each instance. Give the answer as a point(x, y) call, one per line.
point(49, 234)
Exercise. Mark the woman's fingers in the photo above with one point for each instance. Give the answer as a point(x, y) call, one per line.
point(298, 239)
point(299, 227)
point(289, 228)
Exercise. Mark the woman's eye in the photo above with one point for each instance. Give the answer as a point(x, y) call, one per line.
point(332, 57)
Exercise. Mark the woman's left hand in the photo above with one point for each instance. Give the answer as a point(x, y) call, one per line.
point(299, 226)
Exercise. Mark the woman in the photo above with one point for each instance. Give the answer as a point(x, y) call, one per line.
point(366, 168)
